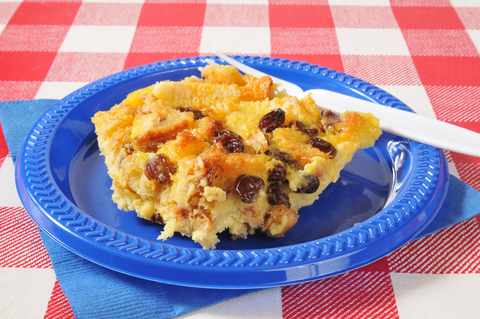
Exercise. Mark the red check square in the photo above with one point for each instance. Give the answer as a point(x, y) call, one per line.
point(468, 168)
point(440, 42)
point(29, 66)
point(304, 41)
point(455, 103)
point(166, 39)
point(45, 13)
point(13, 90)
point(85, 66)
point(108, 14)
point(300, 16)
point(20, 243)
point(3, 143)
point(236, 15)
point(7, 9)
point(436, 18)
point(32, 37)
point(444, 257)
point(470, 17)
point(363, 17)
point(382, 70)
point(448, 71)
point(58, 305)
point(381, 265)
point(167, 14)
point(357, 294)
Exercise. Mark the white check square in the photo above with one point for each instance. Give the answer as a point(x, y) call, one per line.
point(249, 306)
point(83, 38)
point(475, 37)
point(414, 96)
point(371, 41)
point(430, 295)
point(469, 16)
point(57, 90)
point(25, 284)
point(9, 196)
point(239, 40)
point(465, 3)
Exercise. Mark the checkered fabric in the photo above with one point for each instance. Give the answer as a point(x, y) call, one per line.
point(425, 52)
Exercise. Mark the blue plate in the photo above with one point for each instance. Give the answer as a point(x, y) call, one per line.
point(383, 199)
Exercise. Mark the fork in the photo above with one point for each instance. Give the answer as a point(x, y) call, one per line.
point(399, 122)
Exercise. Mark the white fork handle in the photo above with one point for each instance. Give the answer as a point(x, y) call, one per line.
point(292, 88)
point(410, 125)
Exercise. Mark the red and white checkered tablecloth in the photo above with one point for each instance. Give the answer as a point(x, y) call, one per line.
point(425, 52)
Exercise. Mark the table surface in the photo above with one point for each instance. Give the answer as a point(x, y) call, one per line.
point(425, 52)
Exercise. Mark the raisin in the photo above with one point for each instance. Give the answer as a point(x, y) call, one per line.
point(330, 118)
point(278, 173)
point(159, 169)
point(247, 187)
point(231, 142)
point(323, 146)
point(272, 120)
point(276, 195)
point(301, 127)
point(197, 114)
point(158, 219)
point(281, 156)
point(311, 185)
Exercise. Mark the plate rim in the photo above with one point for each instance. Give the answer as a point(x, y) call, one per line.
point(43, 198)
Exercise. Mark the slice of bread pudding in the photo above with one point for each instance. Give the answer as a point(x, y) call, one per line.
point(224, 152)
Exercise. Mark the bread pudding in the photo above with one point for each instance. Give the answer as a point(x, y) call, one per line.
point(226, 151)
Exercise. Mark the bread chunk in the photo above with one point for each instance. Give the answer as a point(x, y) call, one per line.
point(224, 152)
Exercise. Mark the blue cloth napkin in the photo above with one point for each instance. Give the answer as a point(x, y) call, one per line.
point(97, 292)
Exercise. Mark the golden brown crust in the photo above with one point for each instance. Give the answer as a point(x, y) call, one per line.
point(258, 89)
point(161, 132)
point(223, 74)
point(280, 220)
